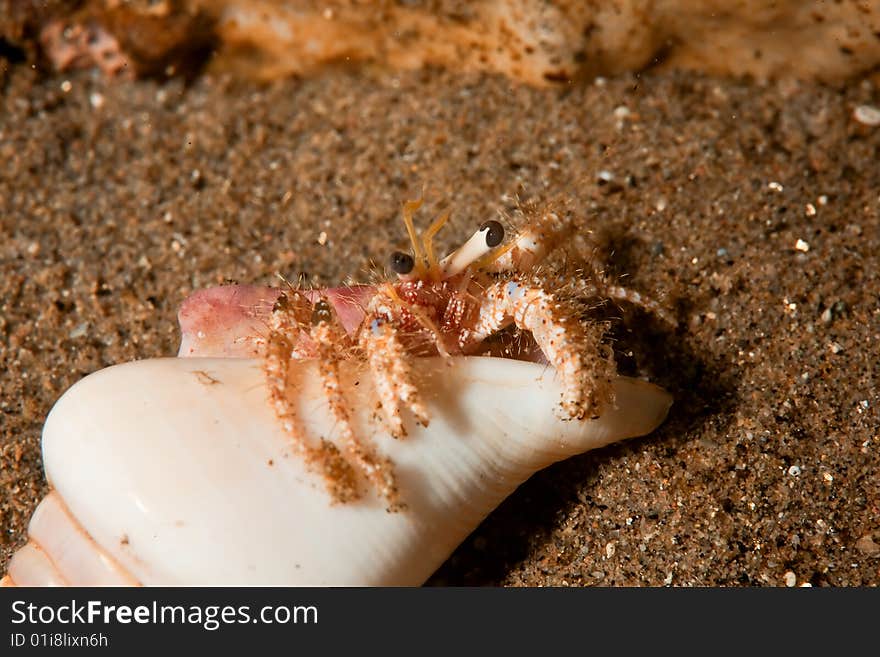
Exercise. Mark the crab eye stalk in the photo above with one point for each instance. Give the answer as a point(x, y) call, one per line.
point(489, 235)
point(401, 263)
point(494, 233)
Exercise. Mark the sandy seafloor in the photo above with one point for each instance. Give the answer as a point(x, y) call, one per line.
point(117, 199)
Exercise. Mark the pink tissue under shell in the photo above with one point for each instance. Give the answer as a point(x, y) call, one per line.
point(229, 321)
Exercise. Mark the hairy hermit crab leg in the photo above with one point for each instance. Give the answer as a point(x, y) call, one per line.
point(330, 342)
point(564, 340)
point(286, 323)
point(392, 375)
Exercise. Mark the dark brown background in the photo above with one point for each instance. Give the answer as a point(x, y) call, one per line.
point(117, 199)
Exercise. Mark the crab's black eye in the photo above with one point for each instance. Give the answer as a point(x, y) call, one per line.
point(401, 263)
point(321, 312)
point(494, 233)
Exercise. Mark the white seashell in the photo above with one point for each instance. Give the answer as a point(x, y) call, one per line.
point(176, 472)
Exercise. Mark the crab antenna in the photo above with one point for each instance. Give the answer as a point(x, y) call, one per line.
point(479, 244)
point(408, 209)
point(428, 239)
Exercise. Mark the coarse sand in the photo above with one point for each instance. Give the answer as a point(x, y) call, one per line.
point(751, 211)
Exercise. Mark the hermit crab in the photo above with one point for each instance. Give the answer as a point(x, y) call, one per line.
point(349, 435)
point(448, 307)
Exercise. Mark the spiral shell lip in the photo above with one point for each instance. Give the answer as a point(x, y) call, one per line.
point(61, 553)
point(177, 472)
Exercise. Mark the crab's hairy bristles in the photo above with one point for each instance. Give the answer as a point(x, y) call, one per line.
point(428, 240)
point(419, 315)
point(409, 209)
